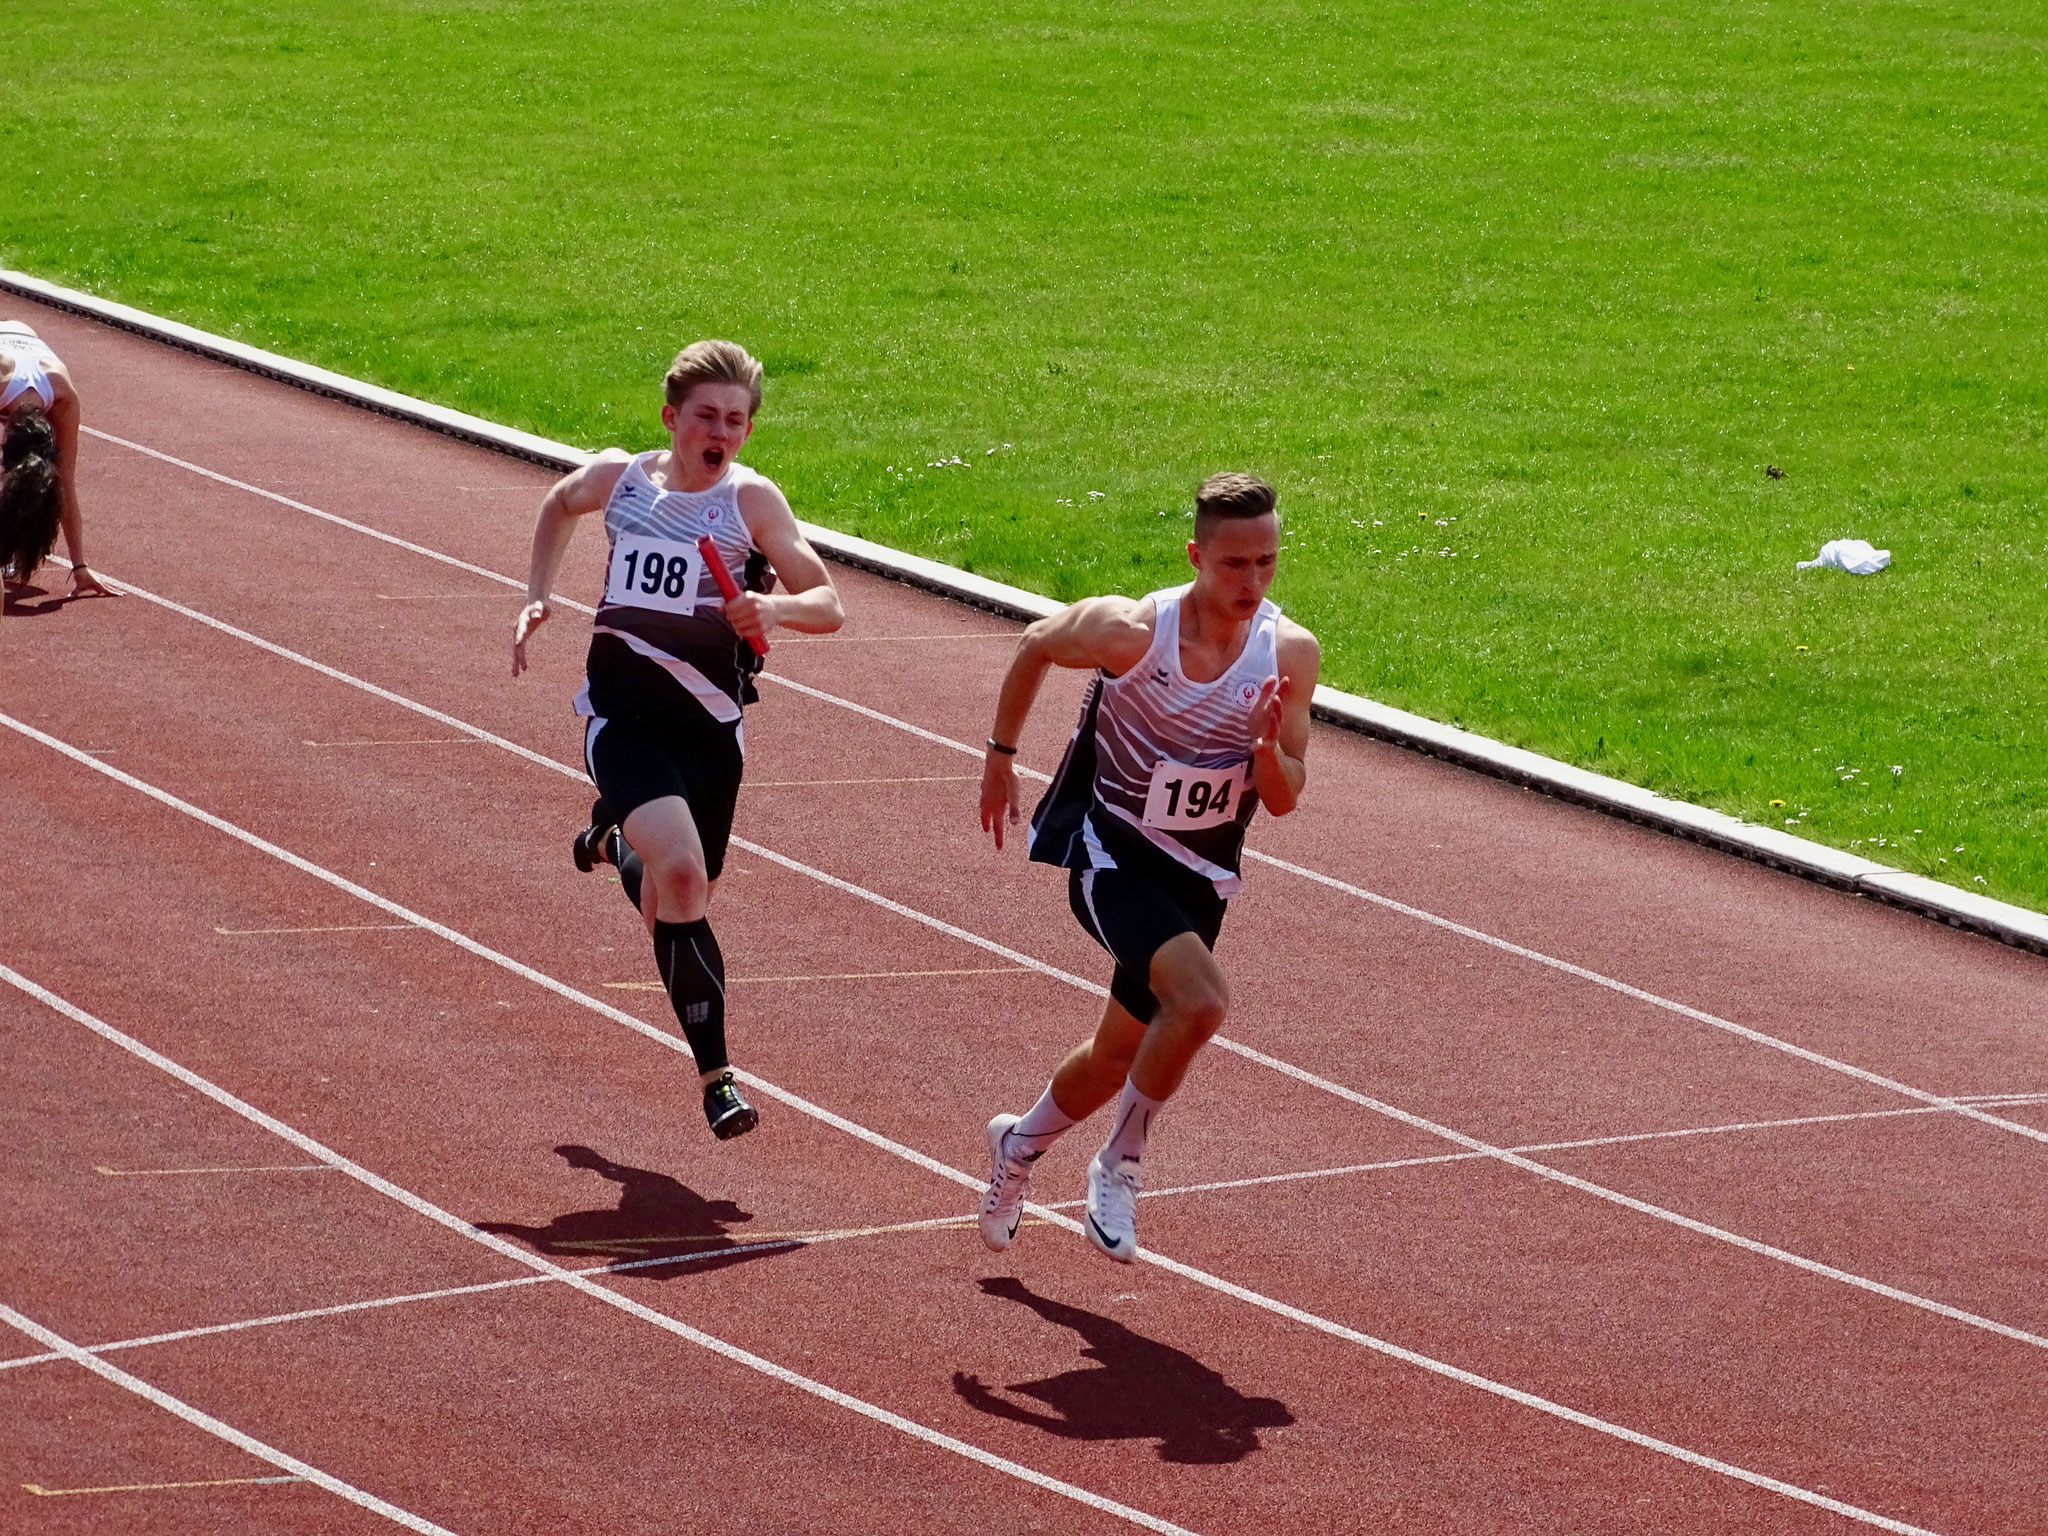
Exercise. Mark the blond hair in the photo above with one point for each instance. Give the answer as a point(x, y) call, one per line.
point(713, 362)
point(1231, 494)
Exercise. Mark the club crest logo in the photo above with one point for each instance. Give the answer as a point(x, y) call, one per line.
point(1247, 692)
point(1159, 676)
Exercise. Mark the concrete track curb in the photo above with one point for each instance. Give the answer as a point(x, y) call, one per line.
point(1765, 845)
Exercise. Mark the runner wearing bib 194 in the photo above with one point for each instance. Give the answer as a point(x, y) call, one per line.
point(1198, 714)
point(670, 668)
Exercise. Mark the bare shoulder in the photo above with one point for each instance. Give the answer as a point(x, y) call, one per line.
point(761, 498)
point(589, 488)
point(1297, 650)
point(1109, 632)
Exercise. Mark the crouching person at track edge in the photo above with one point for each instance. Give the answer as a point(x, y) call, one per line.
point(1198, 714)
point(670, 666)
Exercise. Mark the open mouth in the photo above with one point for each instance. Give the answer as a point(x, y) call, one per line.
point(713, 457)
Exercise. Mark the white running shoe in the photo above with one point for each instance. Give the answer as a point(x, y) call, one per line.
point(1112, 1219)
point(1002, 1208)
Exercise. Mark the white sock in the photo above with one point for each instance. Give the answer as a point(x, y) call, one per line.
point(1134, 1112)
point(1039, 1129)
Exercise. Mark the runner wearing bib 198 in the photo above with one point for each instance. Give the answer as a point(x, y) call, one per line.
point(670, 668)
point(1198, 714)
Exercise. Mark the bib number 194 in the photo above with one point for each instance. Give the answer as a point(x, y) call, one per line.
point(1184, 799)
point(661, 574)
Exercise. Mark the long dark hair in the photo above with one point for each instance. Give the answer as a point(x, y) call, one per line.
point(31, 497)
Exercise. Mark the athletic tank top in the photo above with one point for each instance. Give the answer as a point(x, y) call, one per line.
point(1161, 764)
point(661, 634)
point(31, 357)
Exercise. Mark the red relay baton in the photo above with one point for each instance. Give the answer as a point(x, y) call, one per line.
point(727, 587)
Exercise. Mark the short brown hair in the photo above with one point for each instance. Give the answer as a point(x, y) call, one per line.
point(713, 362)
point(1231, 494)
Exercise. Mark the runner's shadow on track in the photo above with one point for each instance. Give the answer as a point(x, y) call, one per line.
point(29, 601)
point(1142, 1390)
point(657, 1218)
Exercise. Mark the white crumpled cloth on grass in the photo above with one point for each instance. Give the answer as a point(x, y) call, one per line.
point(1852, 555)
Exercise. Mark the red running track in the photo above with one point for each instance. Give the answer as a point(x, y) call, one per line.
point(1824, 1311)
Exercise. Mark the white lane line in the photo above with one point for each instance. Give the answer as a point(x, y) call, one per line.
point(621, 1267)
point(1419, 914)
point(575, 1279)
point(237, 933)
point(206, 1421)
point(213, 1482)
point(327, 517)
point(1029, 962)
point(1541, 1146)
point(1962, 1106)
point(1639, 1207)
point(582, 1282)
point(157, 1173)
point(896, 1147)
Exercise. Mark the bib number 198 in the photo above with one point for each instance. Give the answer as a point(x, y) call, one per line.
point(654, 573)
point(1184, 799)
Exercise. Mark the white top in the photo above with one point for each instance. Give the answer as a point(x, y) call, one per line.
point(1160, 757)
point(662, 620)
point(32, 360)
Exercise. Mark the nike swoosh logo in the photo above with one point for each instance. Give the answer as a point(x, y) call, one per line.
point(1107, 1240)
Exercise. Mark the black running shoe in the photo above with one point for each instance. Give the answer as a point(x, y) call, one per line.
point(593, 844)
point(729, 1114)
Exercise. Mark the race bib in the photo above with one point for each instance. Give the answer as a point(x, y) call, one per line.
point(1184, 799)
point(661, 574)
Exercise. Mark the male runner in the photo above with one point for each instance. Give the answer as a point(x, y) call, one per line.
point(670, 666)
point(1198, 714)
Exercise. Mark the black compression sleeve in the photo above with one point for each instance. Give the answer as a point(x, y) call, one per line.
point(694, 972)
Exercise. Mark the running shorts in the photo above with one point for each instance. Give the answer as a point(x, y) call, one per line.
point(1132, 911)
point(634, 759)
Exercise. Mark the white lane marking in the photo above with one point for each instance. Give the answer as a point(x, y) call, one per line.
point(237, 933)
point(411, 741)
point(213, 1482)
point(1631, 1203)
point(741, 981)
point(1017, 957)
point(154, 1173)
point(620, 1267)
point(1962, 1106)
point(575, 1279)
point(580, 1281)
point(1419, 914)
point(1541, 1146)
point(206, 1421)
point(328, 517)
point(1684, 1010)
point(898, 1149)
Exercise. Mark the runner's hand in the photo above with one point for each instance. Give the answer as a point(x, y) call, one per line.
point(85, 584)
point(1267, 712)
point(998, 794)
point(531, 617)
point(752, 614)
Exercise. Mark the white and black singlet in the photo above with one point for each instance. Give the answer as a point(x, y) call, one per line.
point(1161, 765)
point(32, 359)
point(661, 640)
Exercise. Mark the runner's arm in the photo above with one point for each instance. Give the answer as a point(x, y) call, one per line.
point(576, 494)
point(808, 603)
point(64, 421)
point(1111, 633)
point(1280, 721)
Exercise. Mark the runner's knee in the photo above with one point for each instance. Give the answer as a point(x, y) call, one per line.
point(682, 885)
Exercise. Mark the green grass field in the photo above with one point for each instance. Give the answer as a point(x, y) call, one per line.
point(1514, 301)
